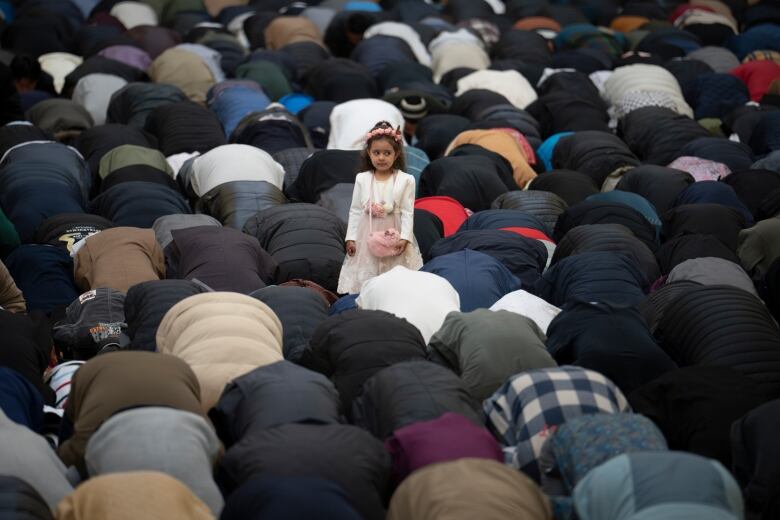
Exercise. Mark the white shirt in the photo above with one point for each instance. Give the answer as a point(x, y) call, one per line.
point(423, 299)
point(352, 120)
point(234, 162)
point(509, 83)
point(528, 305)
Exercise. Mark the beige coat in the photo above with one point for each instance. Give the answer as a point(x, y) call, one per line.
point(285, 30)
point(222, 336)
point(119, 258)
point(504, 145)
point(468, 489)
point(130, 496)
point(185, 70)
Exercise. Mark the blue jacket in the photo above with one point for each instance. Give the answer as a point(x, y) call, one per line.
point(480, 280)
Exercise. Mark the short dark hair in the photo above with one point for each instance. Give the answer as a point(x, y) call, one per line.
point(359, 22)
point(25, 66)
point(400, 158)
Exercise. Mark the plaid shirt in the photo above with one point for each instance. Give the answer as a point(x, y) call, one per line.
point(528, 408)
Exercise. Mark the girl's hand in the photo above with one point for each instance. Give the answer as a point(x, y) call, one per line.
point(351, 248)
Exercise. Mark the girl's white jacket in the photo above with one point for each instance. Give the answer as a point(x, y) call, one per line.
point(403, 198)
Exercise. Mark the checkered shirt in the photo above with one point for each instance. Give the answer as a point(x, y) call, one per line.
point(527, 408)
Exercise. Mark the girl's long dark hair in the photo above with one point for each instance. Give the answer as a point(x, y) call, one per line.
point(400, 157)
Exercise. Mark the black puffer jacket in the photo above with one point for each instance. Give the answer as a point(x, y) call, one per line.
point(185, 126)
point(352, 346)
point(612, 340)
point(603, 277)
point(522, 45)
point(410, 392)
point(307, 242)
point(27, 348)
point(605, 212)
point(322, 171)
point(340, 80)
point(563, 111)
point(502, 218)
point(695, 407)
point(753, 187)
point(272, 395)
point(720, 325)
point(654, 306)
point(688, 246)
point(291, 160)
point(272, 135)
point(474, 181)
point(344, 454)
point(607, 237)
point(573, 187)
point(300, 310)
point(428, 228)
point(755, 455)
point(596, 154)
point(472, 103)
point(658, 184)
point(657, 134)
point(146, 304)
point(436, 131)
point(707, 219)
point(544, 205)
point(508, 115)
point(233, 203)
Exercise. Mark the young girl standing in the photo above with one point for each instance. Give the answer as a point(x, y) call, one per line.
point(382, 202)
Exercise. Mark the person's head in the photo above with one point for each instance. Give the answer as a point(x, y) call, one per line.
point(357, 23)
point(26, 71)
point(384, 148)
point(413, 108)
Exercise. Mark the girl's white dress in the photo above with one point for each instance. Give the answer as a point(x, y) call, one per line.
point(397, 196)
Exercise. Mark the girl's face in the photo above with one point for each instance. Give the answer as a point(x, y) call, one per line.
point(382, 155)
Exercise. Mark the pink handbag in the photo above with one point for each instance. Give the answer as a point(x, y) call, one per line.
point(386, 243)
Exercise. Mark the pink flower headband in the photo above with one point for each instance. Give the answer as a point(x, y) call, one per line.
point(376, 132)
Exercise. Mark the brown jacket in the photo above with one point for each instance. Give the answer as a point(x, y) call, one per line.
point(503, 144)
point(185, 70)
point(466, 489)
point(117, 381)
point(130, 496)
point(119, 258)
point(11, 298)
point(285, 30)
